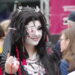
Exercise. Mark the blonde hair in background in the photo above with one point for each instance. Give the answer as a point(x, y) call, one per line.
point(5, 24)
point(69, 53)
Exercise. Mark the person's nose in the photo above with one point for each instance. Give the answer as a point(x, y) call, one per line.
point(36, 32)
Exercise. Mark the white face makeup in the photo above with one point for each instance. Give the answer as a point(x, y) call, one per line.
point(34, 33)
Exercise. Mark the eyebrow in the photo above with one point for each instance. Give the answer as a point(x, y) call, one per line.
point(35, 26)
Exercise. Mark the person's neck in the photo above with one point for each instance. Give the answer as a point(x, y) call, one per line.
point(31, 50)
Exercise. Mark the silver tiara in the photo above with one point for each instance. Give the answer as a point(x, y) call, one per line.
point(37, 9)
point(20, 9)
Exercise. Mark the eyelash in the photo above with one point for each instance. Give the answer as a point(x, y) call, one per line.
point(40, 28)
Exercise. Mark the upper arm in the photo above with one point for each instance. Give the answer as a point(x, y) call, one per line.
point(64, 67)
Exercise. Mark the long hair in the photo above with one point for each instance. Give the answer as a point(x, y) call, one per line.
point(20, 18)
point(69, 53)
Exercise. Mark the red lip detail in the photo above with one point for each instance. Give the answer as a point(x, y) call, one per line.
point(34, 38)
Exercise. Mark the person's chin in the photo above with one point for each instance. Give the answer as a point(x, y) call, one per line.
point(35, 44)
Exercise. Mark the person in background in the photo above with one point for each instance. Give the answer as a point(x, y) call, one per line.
point(3, 32)
point(1, 45)
point(71, 19)
point(56, 48)
point(70, 23)
point(67, 45)
point(28, 53)
point(5, 24)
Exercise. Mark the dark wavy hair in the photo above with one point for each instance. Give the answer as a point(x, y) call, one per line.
point(20, 18)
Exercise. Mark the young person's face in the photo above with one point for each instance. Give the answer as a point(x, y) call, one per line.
point(34, 31)
point(64, 42)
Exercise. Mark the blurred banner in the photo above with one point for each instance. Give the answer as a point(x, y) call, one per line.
point(59, 11)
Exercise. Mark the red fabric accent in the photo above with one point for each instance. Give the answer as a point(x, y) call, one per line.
point(17, 54)
point(1, 73)
point(24, 62)
point(19, 71)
